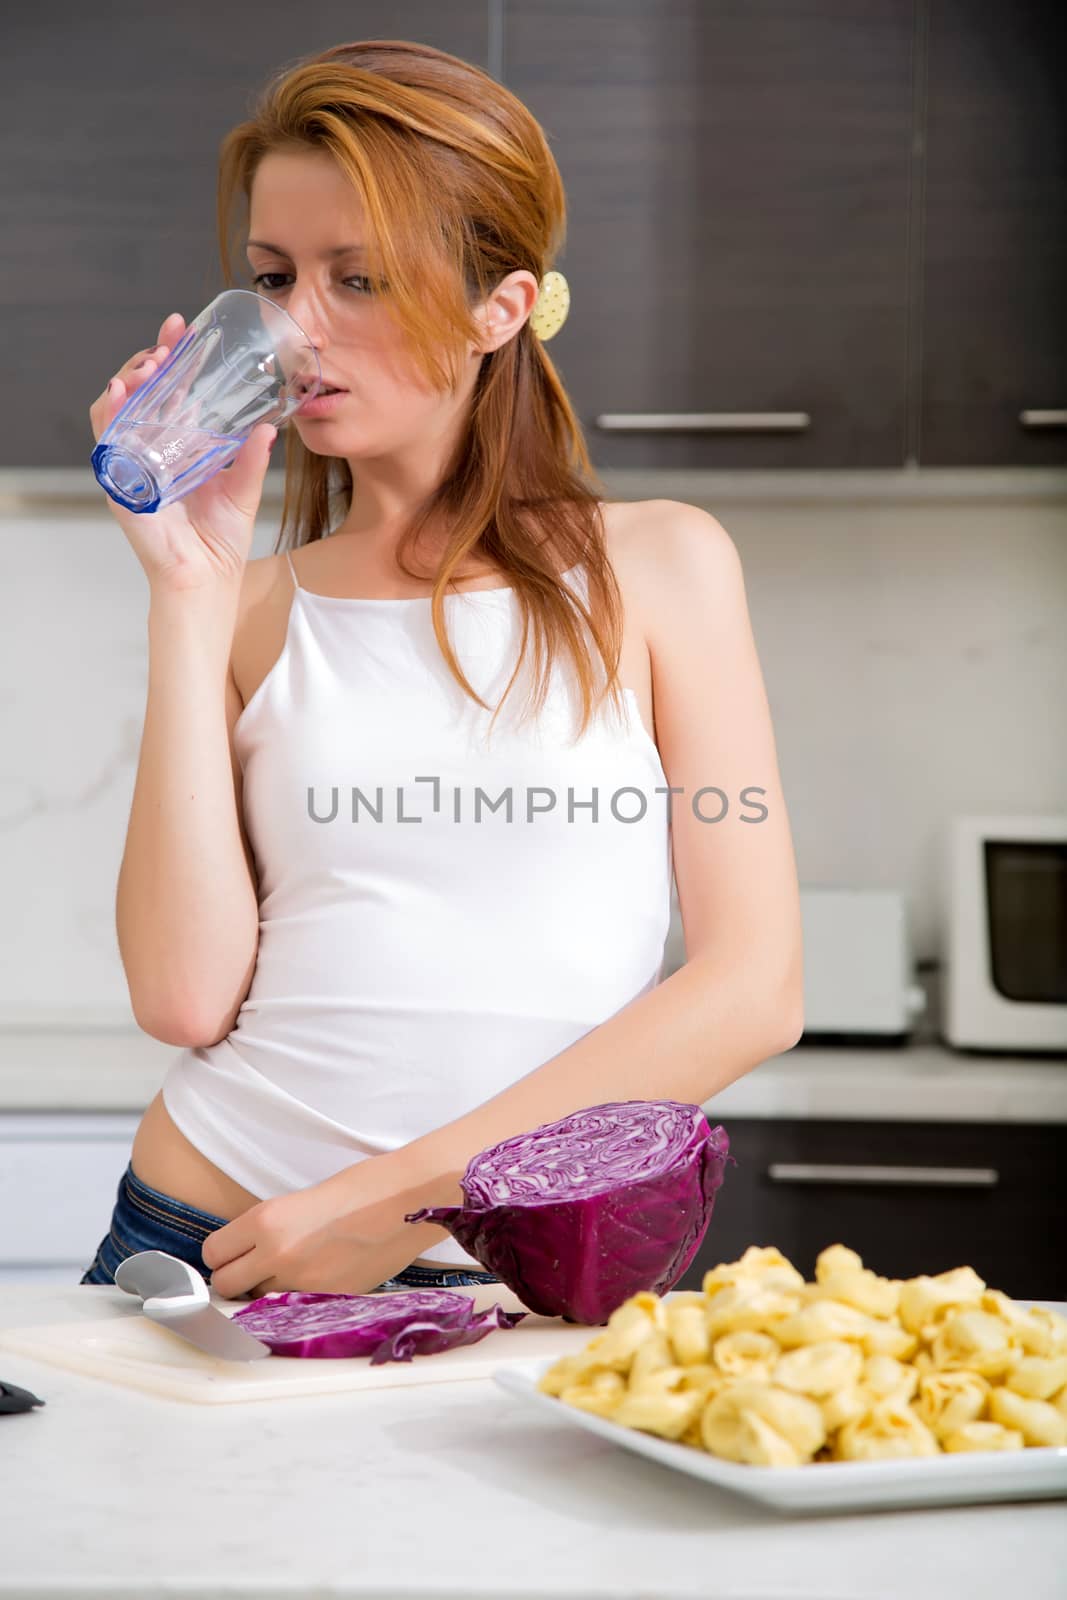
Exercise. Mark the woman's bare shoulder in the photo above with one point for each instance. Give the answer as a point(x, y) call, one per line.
point(268, 580)
point(656, 540)
point(634, 536)
point(262, 610)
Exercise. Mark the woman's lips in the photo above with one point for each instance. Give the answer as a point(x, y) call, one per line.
point(321, 405)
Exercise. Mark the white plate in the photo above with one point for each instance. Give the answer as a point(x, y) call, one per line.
point(958, 1479)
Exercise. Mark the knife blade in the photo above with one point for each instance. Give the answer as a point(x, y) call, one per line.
point(174, 1295)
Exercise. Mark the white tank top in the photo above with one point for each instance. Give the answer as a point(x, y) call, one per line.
point(419, 950)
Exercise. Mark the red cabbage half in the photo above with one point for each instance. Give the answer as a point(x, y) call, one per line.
point(386, 1327)
point(582, 1213)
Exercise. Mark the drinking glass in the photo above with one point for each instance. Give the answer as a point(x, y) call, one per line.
point(243, 360)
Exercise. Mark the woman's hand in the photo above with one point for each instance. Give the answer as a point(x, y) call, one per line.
point(204, 538)
point(343, 1236)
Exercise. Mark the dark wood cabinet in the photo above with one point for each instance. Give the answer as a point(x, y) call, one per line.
point(801, 233)
point(110, 195)
point(994, 320)
point(950, 1194)
point(738, 189)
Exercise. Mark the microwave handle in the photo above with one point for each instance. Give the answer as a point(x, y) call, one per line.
point(825, 1172)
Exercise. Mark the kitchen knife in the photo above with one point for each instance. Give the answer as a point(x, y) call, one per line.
point(175, 1295)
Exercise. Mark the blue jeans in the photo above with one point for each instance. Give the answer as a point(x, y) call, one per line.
point(145, 1219)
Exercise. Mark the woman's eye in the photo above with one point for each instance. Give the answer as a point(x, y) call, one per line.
point(260, 281)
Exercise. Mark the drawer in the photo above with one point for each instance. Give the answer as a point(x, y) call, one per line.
point(58, 1179)
point(910, 1198)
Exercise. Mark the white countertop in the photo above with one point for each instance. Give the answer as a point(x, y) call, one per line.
point(48, 491)
point(120, 1069)
point(454, 1490)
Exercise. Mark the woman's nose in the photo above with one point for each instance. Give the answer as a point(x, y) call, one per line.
point(305, 308)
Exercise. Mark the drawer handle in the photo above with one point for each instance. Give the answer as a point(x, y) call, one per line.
point(703, 421)
point(1043, 419)
point(819, 1172)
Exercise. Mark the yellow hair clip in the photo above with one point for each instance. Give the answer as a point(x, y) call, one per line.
point(551, 306)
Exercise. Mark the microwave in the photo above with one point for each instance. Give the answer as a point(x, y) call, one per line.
point(1005, 933)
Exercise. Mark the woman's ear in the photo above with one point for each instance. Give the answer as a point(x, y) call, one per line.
point(506, 309)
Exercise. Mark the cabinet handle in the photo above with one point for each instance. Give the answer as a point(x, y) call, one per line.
point(1043, 419)
point(703, 421)
point(819, 1172)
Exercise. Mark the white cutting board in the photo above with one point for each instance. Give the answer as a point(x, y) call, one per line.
point(131, 1350)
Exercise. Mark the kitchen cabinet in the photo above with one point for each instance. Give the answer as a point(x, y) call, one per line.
point(109, 204)
point(799, 235)
point(59, 1175)
point(738, 197)
point(909, 1197)
point(994, 342)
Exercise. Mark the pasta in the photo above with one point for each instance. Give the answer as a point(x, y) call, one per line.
point(976, 1341)
point(841, 1275)
point(983, 1436)
point(820, 1368)
point(763, 1368)
point(889, 1429)
point(746, 1354)
point(1037, 1421)
point(757, 1422)
point(1038, 1376)
point(923, 1299)
point(949, 1401)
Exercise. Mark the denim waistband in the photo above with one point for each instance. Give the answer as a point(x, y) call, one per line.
point(165, 1209)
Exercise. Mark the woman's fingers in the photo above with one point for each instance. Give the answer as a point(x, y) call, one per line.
point(139, 365)
point(137, 370)
point(170, 328)
point(170, 331)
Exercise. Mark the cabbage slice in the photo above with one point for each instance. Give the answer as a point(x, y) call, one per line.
point(580, 1214)
point(386, 1327)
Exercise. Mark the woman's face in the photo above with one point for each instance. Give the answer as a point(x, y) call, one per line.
point(302, 206)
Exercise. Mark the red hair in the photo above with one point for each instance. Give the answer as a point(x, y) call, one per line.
point(460, 188)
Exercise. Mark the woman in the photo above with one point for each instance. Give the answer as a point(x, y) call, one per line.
point(374, 972)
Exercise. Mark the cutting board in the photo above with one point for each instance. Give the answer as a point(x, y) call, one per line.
point(127, 1348)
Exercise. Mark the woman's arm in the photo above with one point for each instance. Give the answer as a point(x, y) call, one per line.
point(739, 998)
point(187, 910)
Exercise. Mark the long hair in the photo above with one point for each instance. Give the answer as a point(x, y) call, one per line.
point(460, 188)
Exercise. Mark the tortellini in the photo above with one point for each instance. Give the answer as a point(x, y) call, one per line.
point(762, 1368)
point(889, 1429)
point(885, 1375)
point(746, 1354)
point(948, 1401)
point(1039, 1332)
point(768, 1265)
point(749, 1304)
point(820, 1368)
point(687, 1329)
point(1039, 1377)
point(1037, 1421)
point(841, 1275)
point(923, 1299)
point(764, 1425)
point(977, 1341)
point(660, 1404)
point(652, 1355)
point(983, 1436)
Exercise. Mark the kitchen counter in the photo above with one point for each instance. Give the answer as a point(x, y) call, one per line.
point(120, 1069)
point(445, 1490)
